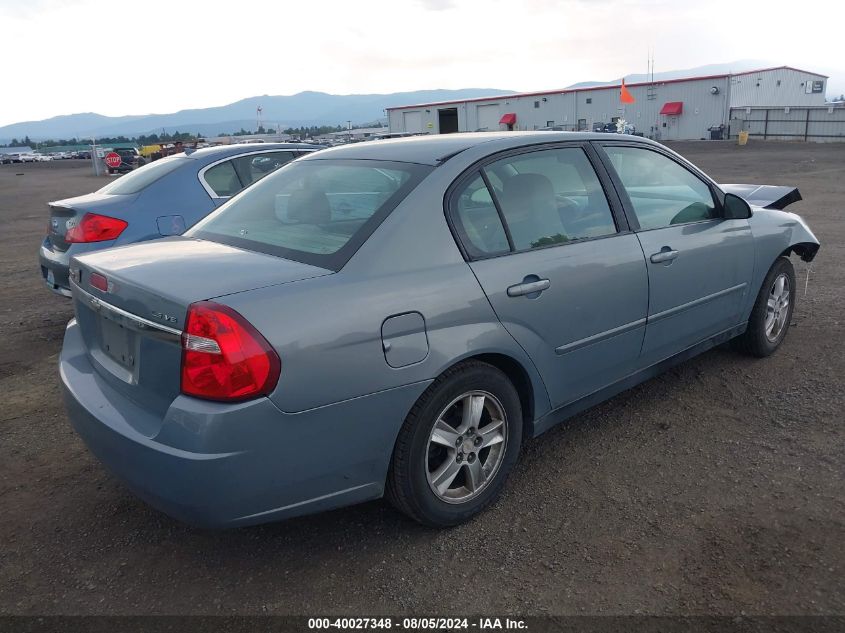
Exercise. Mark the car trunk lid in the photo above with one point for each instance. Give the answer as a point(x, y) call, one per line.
point(66, 214)
point(132, 328)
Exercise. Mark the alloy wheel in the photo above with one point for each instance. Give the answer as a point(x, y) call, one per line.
point(777, 307)
point(466, 446)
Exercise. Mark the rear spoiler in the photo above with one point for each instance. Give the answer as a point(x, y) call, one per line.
point(767, 196)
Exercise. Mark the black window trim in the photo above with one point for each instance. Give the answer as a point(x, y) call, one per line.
point(483, 173)
point(478, 167)
point(628, 206)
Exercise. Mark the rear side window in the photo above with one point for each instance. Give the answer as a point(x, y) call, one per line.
point(662, 192)
point(478, 222)
point(545, 197)
point(317, 212)
point(254, 167)
point(223, 179)
point(552, 197)
point(228, 178)
point(144, 176)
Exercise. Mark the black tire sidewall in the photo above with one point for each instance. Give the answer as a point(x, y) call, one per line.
point(475, 378)
point(758, 325)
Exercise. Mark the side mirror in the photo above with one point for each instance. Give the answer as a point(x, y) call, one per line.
point(736, 208)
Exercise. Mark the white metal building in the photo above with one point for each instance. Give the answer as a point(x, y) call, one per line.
point(673, 109)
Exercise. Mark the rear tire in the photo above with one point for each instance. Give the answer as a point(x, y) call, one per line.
point(457, 446)
point(772, 313)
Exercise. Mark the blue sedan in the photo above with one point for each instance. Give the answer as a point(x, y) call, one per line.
point(162, 198)
point(395, 318)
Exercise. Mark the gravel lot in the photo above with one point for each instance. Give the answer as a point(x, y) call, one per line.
point(716, 488)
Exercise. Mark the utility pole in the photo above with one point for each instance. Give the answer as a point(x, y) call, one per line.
point(94, 156)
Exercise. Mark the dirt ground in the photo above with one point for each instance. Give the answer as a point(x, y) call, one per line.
point(716, 488)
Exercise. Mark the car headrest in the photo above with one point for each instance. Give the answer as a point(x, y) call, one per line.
point(310, 207)
point(533, 190)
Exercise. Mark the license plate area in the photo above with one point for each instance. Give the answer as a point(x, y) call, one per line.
point(119, 343)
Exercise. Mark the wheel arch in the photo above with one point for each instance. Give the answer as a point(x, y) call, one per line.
point(805, 250)
point(530, 389)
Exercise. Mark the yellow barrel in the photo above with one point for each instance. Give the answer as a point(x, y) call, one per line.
point(743, 138)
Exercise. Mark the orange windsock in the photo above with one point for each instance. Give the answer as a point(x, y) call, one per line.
point(624, 95)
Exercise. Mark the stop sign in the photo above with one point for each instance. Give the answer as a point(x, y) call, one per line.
point(113, 159)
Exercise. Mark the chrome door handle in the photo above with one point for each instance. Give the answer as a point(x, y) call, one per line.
point(528, 288)
point(663, 256)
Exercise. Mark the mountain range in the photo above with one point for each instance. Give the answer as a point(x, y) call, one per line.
point(301, 109)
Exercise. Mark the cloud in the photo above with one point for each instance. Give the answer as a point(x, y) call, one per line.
point(437, 5)
point(30, 8)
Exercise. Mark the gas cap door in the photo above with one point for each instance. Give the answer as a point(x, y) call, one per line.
point(170, 224)
point(404, 339)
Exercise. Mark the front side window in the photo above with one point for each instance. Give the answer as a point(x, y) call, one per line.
point(662, 192)
point(317, 212)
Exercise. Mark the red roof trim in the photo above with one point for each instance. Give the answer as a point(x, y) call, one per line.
point(610, 87)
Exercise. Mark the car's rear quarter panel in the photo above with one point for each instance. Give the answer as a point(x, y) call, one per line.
point(178, 193)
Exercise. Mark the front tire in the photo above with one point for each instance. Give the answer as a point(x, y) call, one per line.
point(457, 446)
point(772, 312)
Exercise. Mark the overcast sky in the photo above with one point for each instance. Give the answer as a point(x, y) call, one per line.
point(119, 57)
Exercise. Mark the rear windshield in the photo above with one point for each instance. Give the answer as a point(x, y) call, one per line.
point(144, 176)
point(316, 212)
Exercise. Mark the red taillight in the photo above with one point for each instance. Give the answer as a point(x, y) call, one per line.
point(224, 357)
point(99, 282)
point(95, 228)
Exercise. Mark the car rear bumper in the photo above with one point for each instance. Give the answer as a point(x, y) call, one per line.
point(226, 465)
point(54, 269)
point(55, 264)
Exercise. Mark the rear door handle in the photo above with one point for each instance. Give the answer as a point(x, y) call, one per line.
point(527, 288)
point(665, 255)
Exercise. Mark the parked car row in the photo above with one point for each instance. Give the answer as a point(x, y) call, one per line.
point(36, 157)
point(394, 318)
point(22, 157)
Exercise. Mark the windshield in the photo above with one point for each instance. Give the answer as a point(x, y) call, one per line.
point(144, 176)
point(317, 212)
